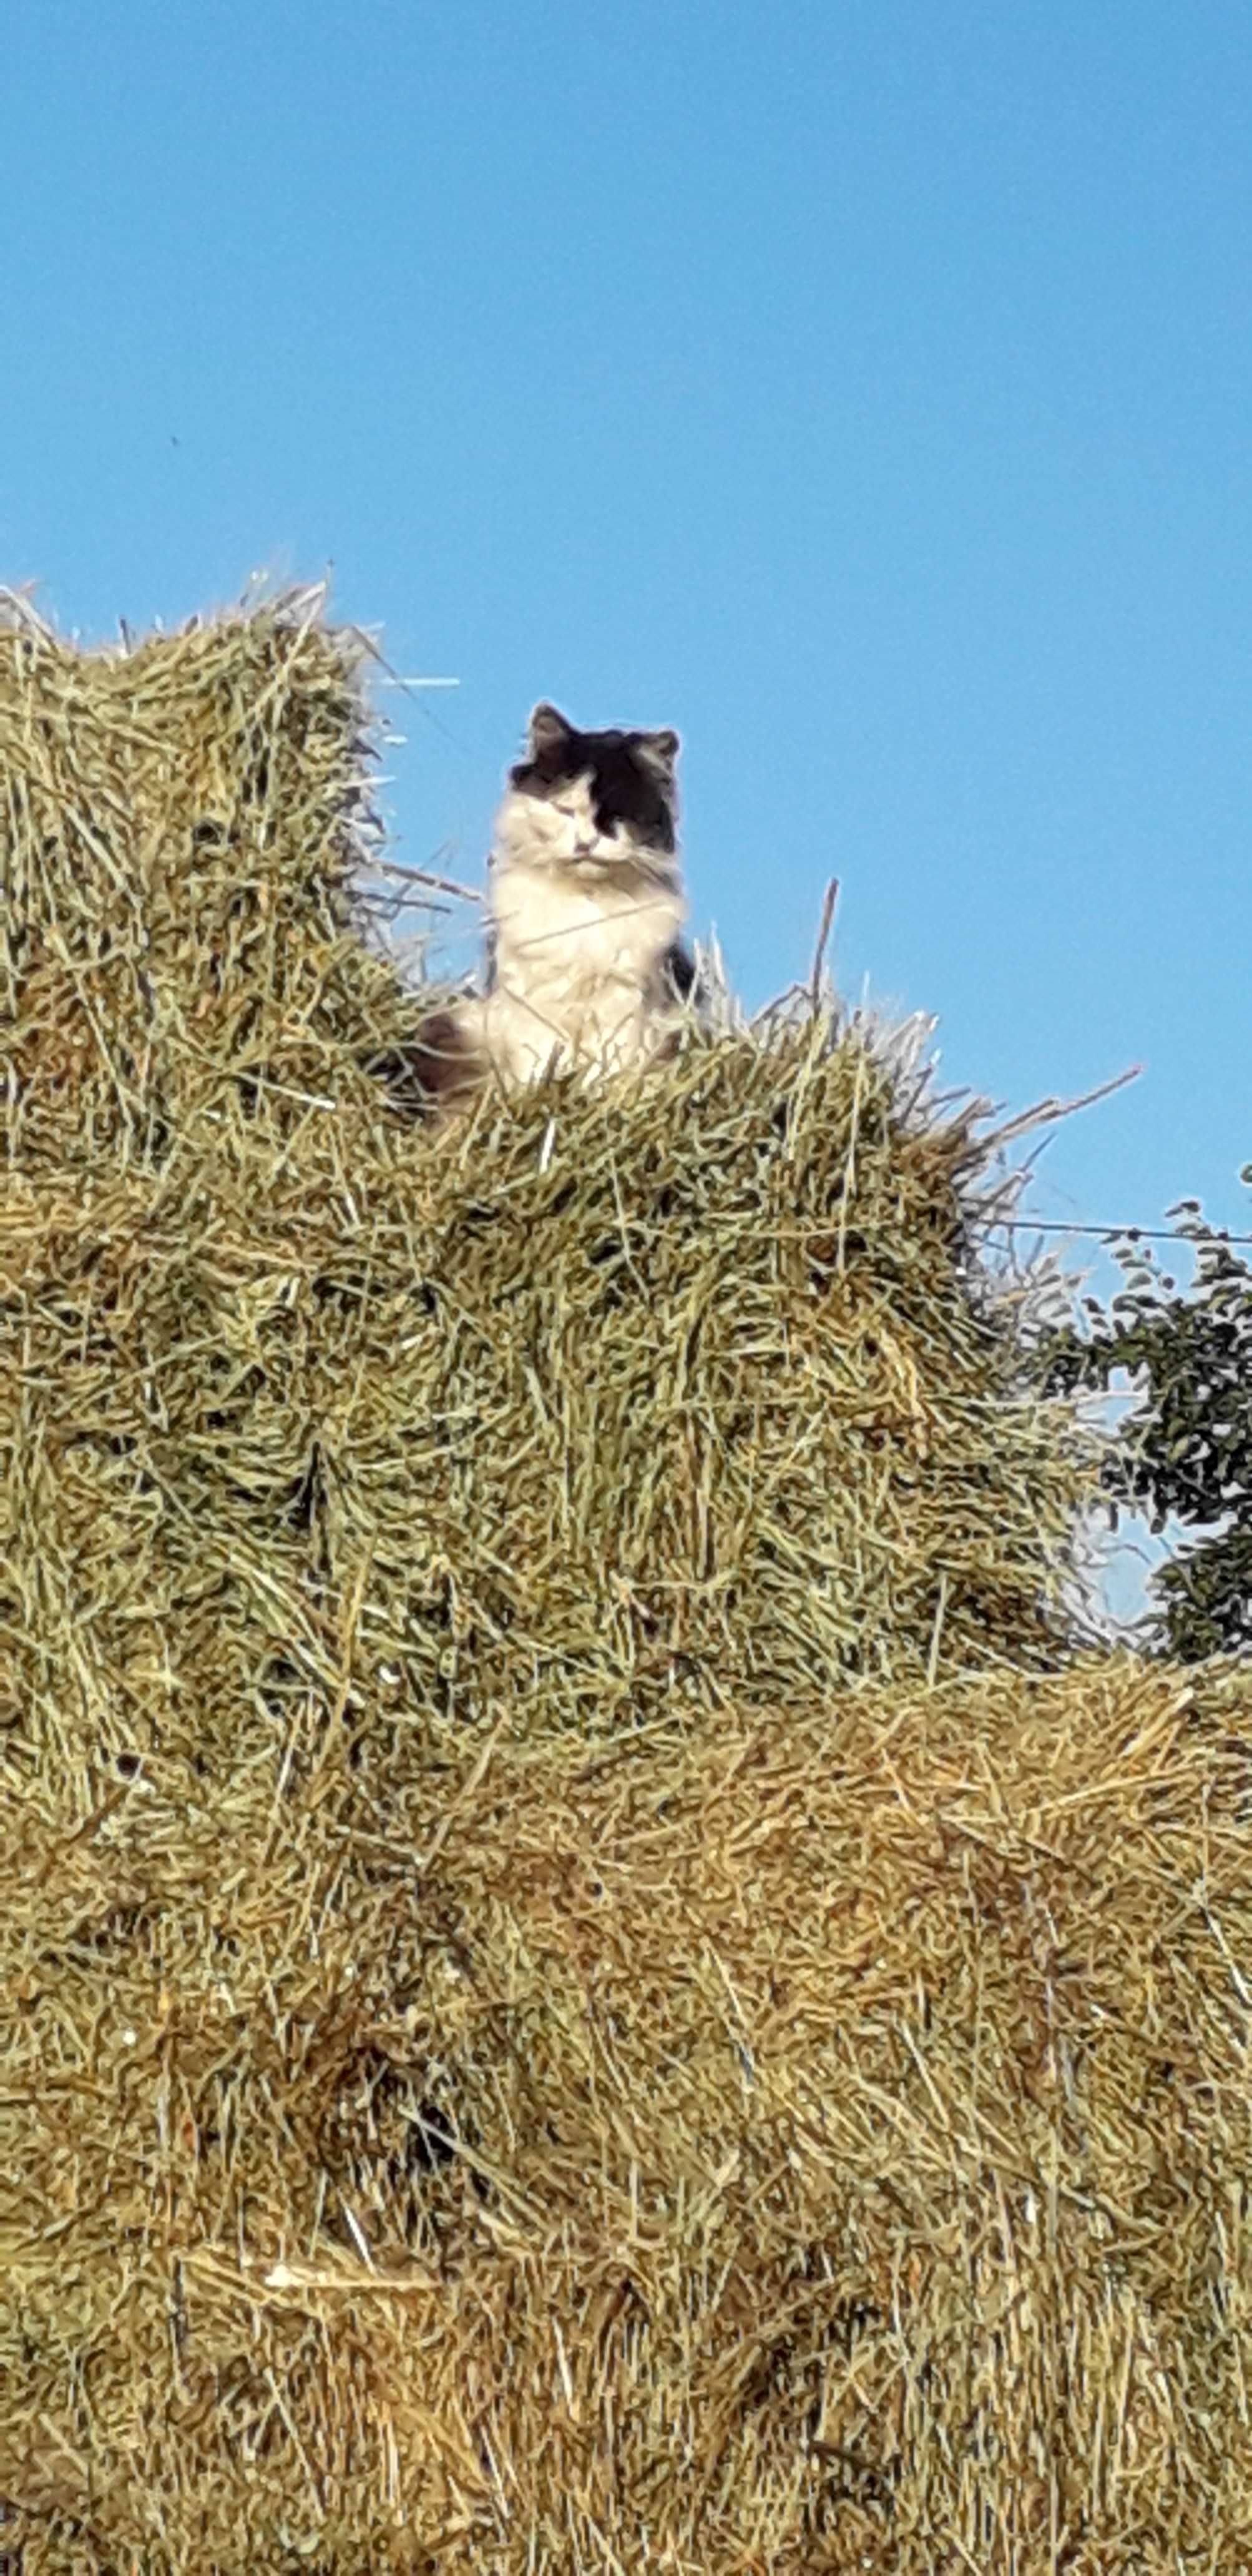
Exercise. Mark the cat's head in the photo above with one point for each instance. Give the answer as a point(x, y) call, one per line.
point(595, 799)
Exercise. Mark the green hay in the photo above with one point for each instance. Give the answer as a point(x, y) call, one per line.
point(576, 1988)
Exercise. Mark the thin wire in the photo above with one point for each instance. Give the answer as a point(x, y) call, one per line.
point(1113, 1233)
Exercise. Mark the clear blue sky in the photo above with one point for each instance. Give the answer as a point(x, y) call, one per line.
point(863, 386)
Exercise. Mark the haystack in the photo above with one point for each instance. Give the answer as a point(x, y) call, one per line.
point(585, 1981)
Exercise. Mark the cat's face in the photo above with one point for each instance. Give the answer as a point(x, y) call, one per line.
point(596, 800)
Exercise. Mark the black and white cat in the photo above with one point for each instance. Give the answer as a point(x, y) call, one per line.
point(586, 970)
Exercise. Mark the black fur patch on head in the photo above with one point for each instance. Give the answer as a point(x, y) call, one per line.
point(631, 774)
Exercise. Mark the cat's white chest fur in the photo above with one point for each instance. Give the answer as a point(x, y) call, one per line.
point(580, 936)
point(560, 932)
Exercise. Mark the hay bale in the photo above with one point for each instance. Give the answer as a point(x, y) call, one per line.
point(690, 1384)
point(579, 1991)
point(817, 2140)
point(180, 826)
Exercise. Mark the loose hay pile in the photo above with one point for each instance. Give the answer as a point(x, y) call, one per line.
point(578, 1990)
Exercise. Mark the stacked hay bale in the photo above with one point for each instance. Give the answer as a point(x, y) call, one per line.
point(580, 1988)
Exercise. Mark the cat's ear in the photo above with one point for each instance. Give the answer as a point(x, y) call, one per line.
point(661, 749)
point(547, 729)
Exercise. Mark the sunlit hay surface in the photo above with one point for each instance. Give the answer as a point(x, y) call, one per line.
point(180, 826)
point(577, 1987)
point(804, 2140)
